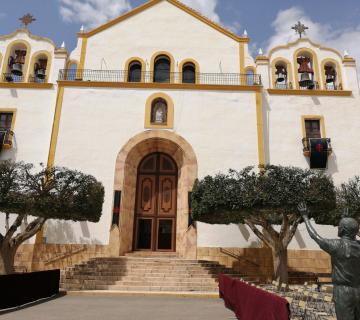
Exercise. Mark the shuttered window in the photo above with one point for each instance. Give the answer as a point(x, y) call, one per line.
point(6, 120)
point(313, 129)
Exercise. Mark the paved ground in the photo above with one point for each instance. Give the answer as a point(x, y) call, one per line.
point(124, 308)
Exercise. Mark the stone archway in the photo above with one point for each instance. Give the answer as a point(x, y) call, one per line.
point(128, 159)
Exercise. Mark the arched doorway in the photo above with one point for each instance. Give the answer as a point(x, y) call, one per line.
point(156, 207)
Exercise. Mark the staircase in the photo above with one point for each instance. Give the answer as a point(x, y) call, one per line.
point(138, 272)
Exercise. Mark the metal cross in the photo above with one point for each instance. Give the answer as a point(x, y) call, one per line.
point(300, 28)
point(27, 19)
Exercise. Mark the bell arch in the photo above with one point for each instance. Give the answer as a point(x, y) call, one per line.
point(315, 63)
point(36, 57)
point(127, 163)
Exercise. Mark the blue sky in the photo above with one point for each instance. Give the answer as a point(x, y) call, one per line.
point(334, 23)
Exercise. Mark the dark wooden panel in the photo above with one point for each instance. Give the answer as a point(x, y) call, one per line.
point(146, 195)
point(167, 196)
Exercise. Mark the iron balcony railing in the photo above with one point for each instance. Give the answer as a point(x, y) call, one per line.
point(316, 86)
point(307, 143)
point(35, 79)
point(9, 77)
point(6, 137)
point(160, 77)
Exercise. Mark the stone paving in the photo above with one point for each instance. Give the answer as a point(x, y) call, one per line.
point(124, 308)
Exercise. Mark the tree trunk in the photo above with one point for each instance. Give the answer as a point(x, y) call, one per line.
point(7, 258)
point(280, 261)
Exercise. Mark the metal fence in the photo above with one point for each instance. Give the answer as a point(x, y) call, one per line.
point(160, 77)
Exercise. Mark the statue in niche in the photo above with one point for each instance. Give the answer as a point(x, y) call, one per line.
point(159, 114)
point(345, 261)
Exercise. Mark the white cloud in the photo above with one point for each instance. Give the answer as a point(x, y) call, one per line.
point(92, 13)
point(205, 7)
point(340, 39)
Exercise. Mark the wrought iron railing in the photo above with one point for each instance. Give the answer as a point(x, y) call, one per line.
point(307, 144)
point(9, 77)
point(314, 86)
point(165, 77)
point(6, 137)
point(35, 79)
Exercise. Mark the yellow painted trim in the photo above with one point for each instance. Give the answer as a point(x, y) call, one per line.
point(338, 71)
point(260, 130)
point(143, 68)
point(150, 4)
point(70, 62)
point(55, 127)
point(1, 62)
point(252, 68)
point(7, 55)
point(315, 66)
point(313, 117)
point(291, 44)
point(162, 86)
point(288, 67)
point(170, 112)
point(13, 120)
point(83, 54)
point(295, 92)
point(48, 65)
point(172, 63)
point(197, 68)
point(242, 58)
point(25, 85)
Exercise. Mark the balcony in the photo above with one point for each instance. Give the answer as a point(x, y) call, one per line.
point(6, 137)
point(122, 76)
point(318, 150)
point(9, 77)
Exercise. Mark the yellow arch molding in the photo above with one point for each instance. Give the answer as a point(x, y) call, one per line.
point(172, 63)
point(127, 65)
point(315, 65)
point(1, 62)
point(338, 71)
point(288, 67)
point(7, 55)
point(197, 68)
point(33, 60)
point(170, 112)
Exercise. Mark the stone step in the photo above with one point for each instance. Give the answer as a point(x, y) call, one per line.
point(158, 288)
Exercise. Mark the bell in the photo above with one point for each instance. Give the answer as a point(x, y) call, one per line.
point(16, 69)
point(40, 69)
point(304, 63)
point(40, 74)
point(306, 82)
point(281, 73)
point(330, 74)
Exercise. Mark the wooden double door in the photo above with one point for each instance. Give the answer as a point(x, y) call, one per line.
point(155, 208)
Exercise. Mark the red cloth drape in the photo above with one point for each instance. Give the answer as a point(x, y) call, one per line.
point(251, 303)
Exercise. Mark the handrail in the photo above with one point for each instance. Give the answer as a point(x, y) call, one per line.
point(238, 257)
point(160, 77)
point(65, 255)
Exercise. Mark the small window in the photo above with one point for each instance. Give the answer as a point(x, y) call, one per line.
point(134, 72)
point(249, 77)
point(313, 129)
point(71, 72)
point(159, 112)
point(162, 69)
point(6, 120)
point(188, 73)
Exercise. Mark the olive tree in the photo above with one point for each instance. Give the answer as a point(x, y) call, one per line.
point(266, 202)
point(55, 193)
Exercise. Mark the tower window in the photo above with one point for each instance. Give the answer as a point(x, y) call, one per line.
point(162, 69)
point(134, 72)
point(188, 73)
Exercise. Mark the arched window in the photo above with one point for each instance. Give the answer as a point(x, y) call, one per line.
point(134, 72)
point(189, 73)
point(331, 76)
point(249, 76)
point(162, 69)
point(39, 72)
point(159, 112)
point(71, 70)
point(306, 71)
point(281, 75)
point(16, 63)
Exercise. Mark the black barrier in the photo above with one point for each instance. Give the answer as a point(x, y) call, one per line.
point(19, 289)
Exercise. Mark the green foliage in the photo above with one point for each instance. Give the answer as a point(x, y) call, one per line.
point(348, 196)
point(56, 193)
point(233, 197)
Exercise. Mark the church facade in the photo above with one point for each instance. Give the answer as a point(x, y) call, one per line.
point(152, 100)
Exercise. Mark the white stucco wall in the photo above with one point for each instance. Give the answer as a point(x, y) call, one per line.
point(163, 27)
point(97, 123)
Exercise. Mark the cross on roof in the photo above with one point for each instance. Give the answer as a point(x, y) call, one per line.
point(300, 28)
point(27, 19)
